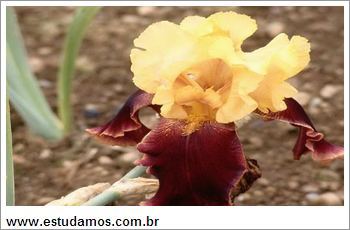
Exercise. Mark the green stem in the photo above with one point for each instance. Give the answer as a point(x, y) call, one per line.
point(109, 195)
point(72, 43)
point(10, 185)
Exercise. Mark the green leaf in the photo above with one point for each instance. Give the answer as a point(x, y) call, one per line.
point(25, 93)
point(10, 185)
point(75, 35)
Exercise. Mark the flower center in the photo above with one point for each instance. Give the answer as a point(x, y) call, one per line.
point(202, 89)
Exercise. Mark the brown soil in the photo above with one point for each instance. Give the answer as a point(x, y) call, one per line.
point(45, 170)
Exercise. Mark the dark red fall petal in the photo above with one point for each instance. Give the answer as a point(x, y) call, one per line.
point(195, 169)
point(308, 139)
point(125, 128)
point(252, 173)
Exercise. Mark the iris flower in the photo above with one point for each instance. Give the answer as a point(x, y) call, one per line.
point(200, 81)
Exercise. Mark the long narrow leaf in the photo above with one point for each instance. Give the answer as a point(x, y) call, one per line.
point(25, 93)
point(10, 185)
point(76, 32)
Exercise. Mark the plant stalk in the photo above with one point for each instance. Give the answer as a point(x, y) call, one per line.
point(109, 195)
point(75, 35)
point(10, 185)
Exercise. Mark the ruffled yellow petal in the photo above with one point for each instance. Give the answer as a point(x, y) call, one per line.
point(166, 50)
point(236, 107)
point(196, 25)
point(188, 94)
point(244, 80)
point(281, 56)
point(223, 48)
point(173, 111)
point(291, 59)
point(211, 98)
point(279, 60)
point(270, 95)
point(238, 104)
point(163, 95)
point(161, 36)
point(238, 26)
point(197, 70)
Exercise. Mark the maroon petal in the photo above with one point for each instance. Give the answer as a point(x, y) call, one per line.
point(252, 173)
point(195, 169)
point(308, 139)
point(125, 128)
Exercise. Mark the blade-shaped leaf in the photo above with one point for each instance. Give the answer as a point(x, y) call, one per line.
point(25, 93)
point(10, 185)
point(75, 35)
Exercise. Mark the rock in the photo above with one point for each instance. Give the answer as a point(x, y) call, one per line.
point(312, 198)
point(36, 64)
point(18, 159)
point(274, 28)
point(146, 10)
point(328, 175)
point(263, 181)
point(45, 50)
point(45, 83)
point(309, 188)
point(45, 200)
point(128, 158)
point(91, 111)
point(243, 197)
point(105, 160)
point(85, 64)
point(315, 104)
point(271, 190)
point(46, 153)
point(256, 141)
point(293, 184)
point(258, 193)
point(131, 19)
point(330, 198)
point(329, 90)
point(303, 98)
point(118, 88)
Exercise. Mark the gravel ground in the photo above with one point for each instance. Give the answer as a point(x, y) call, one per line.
point(45, 171)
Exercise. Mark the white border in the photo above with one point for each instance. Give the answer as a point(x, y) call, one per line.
point(195, 217)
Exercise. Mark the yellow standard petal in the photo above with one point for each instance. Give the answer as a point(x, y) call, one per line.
point(279, 60)
point(198, 72)
point(238, 26)
point(163, 51)
point(196, 25)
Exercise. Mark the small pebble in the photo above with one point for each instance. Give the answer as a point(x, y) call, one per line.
point(128, 158)
point(263, 181)
point(105, 160)
point(293, 184)
point(329, 91)
point(309, 188)
point(46, 153)
point(256, 141)
point(85, 64)
point(45, 83)
point(146, 10)
point(243, 197)
point(274, 28)
point(131, 19)
point(312, 198)
point(330, 198)
point(36, 64)
point(91, 111)
point(45, 200)
point(258, 193)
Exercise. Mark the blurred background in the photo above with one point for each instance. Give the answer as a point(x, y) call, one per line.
point(45, 170)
